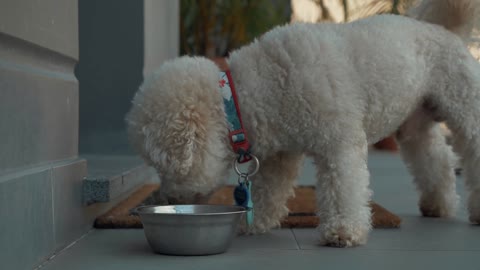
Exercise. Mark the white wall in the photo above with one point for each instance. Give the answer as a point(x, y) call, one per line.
point(162, 29)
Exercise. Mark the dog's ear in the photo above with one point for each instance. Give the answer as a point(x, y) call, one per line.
point(177, 143)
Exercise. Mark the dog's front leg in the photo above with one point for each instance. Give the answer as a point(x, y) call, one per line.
point(343, 194)
point(271, 188)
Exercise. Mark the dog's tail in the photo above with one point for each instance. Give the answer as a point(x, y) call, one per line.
point(458, 16)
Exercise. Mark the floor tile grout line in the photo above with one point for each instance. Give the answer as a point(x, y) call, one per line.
point(295, 238)
point(62, 251)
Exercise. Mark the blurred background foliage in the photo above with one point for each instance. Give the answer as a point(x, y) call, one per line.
point(213, 28)
point(216, 27)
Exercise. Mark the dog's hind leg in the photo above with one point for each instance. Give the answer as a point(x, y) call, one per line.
point(464, 121)
point(271, 188)
point(459, 104)
point(343, 192)
point(431, 162)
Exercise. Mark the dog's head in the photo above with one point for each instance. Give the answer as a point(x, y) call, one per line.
point(177, 124)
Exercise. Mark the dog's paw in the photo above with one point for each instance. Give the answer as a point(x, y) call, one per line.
point(438, 205)
point(434, 211)
point(343, 236)
point(475, 219)
point(474, 207)
point(244, 229)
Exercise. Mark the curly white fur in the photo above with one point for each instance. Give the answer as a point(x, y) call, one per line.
point(328, 91)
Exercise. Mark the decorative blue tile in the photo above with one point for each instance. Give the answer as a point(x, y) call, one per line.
point(96, 190)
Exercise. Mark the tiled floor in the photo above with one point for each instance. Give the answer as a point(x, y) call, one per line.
point(420, 243)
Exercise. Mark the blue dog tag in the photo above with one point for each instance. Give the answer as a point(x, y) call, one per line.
point(242, 196)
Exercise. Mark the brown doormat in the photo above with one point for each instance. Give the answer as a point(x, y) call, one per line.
point(302, 210)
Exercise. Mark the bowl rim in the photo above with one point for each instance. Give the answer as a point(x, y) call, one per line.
point(241, 209)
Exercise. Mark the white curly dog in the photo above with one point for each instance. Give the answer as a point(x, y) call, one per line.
point(327, 91)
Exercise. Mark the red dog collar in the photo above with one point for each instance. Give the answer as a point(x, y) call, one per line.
point(237, 134)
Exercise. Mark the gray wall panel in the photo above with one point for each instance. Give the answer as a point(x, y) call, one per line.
point(39, 105)
point(50, 24)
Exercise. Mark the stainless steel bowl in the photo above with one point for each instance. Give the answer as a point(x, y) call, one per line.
point(190, 229)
